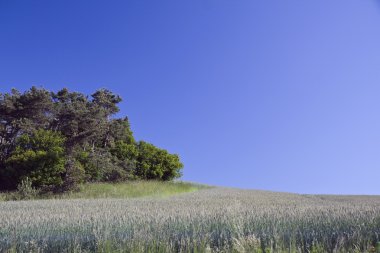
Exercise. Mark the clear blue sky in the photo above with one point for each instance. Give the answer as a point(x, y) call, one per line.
point(277, 95)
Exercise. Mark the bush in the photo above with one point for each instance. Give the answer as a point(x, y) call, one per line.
point(74, 176)
point(124, 151)
point(102, 166)
point(90, 162)
point(156, 163)
point(25, 189)
point(38, 156)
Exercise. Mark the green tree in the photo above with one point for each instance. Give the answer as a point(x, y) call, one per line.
point(124, 151)
point(118, 130)
point(38, 156)
point(107, 101)
point(156, 163)
point(75, 118)
point(83, 122)
point(22, 113)
point(63, 138)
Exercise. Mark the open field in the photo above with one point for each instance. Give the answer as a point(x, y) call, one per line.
point(207, 220)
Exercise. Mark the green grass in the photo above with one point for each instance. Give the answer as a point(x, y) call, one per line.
point(132, 189)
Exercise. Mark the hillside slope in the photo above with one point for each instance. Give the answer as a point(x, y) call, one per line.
point(131, 189)
point(216, 219)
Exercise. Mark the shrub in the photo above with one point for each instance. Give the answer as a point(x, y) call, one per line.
point(90, 162)
point(124, 151)
point(156, 163)
point(74, 176)
point(38, 156)
point(25, 189)
point(102, 166)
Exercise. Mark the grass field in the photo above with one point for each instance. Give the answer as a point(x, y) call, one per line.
point(206, 220)
point(133, 189)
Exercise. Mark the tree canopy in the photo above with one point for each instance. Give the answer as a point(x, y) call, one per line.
point(59, 139)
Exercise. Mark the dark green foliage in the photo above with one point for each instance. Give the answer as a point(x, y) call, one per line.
point(58, 140)
point(90, 162)
point(119, 130)
point(74, 175)
point(21, 113)
point(80, 120)
point(102, 166)
point(106, 101)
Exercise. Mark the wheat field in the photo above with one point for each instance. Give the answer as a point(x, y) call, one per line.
point(208, 220)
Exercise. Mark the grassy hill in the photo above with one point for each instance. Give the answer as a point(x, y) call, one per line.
point(132, 189)
point(109, 218)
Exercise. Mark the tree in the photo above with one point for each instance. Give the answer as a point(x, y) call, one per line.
point(83, 122)
point(76, 118)
point(118, 130)
point(106, 101)
point(155, 163)
point(38, 156)
point(19, 114)
point(22, 113)
point(124, 151)
point(60, 139)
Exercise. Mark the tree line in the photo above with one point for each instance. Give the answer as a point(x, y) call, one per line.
point(57, 140)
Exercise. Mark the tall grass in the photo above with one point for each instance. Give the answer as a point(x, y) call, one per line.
point(131, 189)
point(208, 220)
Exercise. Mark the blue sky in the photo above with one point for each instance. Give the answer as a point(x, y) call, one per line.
point(277, 95)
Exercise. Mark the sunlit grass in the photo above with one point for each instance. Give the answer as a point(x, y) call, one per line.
point(133, 189)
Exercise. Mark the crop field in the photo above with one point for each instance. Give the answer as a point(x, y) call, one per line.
point(207, 220)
